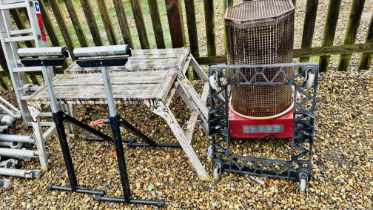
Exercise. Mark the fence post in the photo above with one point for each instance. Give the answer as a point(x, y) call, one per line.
point(91, 21)
point(140, 25)
point(351, 31)
point(48, 25)
point(210, 27)
point(157, 24)
point(76, 24)
point(107, 22)
point(192, 27)
point(175, 20)
point(366, 58)
point(123, 23)
point(329, 33)
point(62, 24)
point(309, 26)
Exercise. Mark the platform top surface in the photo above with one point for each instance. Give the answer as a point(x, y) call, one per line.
point(144, 60)
point(150, 86)
point(148, 75)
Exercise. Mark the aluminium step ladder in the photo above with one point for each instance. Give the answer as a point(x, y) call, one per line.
point(11, 37)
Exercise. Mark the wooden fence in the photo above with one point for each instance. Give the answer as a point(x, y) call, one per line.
point(183, 30)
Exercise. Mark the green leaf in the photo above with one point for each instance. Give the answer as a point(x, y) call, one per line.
point(150, 187)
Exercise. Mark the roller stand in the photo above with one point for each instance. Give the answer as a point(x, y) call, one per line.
point(117, 55)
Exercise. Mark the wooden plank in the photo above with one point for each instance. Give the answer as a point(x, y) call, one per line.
point(175, 21)
point(329, 31)
point(140, 25)
point(62, 24)
point(351, 32)
point(145, 60)
point(166, 113)
point(157, 24)
point(126, 86)
point(192, 27)
point(152, 77)
point(123, 23)
point(191, 124)
point(366, 58)
point(107, 22)
point(91, 21)
point(48, 25)
point(210, 27)
point(76, 24)
point(317, 51)
point(227, 4)
point(309, 26)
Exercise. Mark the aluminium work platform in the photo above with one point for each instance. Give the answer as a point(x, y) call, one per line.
point(150, 77)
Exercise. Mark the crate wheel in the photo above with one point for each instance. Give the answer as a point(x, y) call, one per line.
point(310, 79)
point(217, 171)
point(303, 182)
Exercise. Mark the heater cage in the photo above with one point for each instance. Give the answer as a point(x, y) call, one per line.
point(299, 166)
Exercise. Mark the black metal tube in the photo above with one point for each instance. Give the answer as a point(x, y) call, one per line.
point(137, 132)
point(58, 120)
point(160, 145)
point(159, 203)
point(114, 122)
point(78, 190)
point(86, 127)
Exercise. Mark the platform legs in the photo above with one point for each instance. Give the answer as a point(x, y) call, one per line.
point(165, 112)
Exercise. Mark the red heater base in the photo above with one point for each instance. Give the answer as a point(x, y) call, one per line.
point(243, 128)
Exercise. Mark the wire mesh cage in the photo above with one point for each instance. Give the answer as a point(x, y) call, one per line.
point(261, 32)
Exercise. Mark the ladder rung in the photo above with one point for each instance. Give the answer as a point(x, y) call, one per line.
point(13, 5)
point(21, 32)
point(27, 69)
point(12, 1)
point(19, 39)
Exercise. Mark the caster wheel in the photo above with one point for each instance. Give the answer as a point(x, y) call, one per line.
point(310, 79)
point(217, 171)
point(209, 152)
point(303, 179)
point(213, 80)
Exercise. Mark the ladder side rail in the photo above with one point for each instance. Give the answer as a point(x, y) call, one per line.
point(36, 23)
point(10, 52)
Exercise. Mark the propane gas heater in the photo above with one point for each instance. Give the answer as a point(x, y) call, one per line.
point(261, 94)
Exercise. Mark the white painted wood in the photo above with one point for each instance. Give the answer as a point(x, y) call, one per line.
point(168, 116)
point(39, 141)
point(191, 124)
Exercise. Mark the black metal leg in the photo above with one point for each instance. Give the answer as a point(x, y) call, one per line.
point(58, 120)
point(86, 127)
point(137, 132)
point(115, 122)
point(148, 141)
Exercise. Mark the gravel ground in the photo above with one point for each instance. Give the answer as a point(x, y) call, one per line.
point(343, 153)
point(342, 162)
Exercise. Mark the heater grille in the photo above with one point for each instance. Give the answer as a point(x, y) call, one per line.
point(261, 32)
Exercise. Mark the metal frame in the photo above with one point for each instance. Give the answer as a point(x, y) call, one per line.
point(161, 108)
point(115, 122)
point(9, 38)
point(299, 167)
